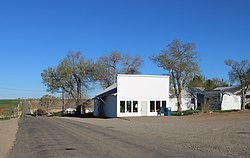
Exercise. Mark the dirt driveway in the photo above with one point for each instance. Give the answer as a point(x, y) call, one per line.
point(225, 134)
point(8, 129)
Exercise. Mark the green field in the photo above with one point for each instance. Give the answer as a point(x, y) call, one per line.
point(8, 109)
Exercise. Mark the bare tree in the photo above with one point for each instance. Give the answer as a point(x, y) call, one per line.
point(131, 65)
point(180, 60)
point(47, 101)
point(239, 74)
point(108, 66)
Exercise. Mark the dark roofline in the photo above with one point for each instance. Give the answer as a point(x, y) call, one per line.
point(108, 91)
point(112, 91)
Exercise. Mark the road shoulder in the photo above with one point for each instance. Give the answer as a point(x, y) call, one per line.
point(8, 132)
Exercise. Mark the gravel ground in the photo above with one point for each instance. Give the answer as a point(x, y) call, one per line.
point(222, 135)
point(8, 130)
point(206, 135)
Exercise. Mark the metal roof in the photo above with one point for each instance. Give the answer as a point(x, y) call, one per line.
point(229, 88)
point(110, 90)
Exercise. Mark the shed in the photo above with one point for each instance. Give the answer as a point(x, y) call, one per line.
point(223, 98)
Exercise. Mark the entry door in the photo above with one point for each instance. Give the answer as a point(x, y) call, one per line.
point(144, 108)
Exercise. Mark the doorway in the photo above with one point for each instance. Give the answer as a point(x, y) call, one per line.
point(144, 108)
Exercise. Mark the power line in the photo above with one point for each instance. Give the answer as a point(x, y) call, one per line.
point(26, 90)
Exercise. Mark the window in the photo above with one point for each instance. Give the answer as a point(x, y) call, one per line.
point(193, 101)
point(164, 104)
point(135, 106)
point(122, 106)
point(158, 105)
point(129, 107)
point(152, 106)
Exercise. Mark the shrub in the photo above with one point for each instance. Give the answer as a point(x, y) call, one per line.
point(184, 113)
point(40, 112)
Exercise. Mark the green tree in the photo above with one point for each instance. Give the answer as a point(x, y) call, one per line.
point(197, 81)
point(180, 59)
point(220, 82)
point(240, 75)
point(209, 85)
point(73, 76)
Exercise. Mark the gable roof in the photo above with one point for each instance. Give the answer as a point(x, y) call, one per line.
point(229, 88)
point(197, 90)
point(110, 90)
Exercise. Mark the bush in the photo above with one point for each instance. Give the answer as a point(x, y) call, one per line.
point(184, 113)
point(4, 118)
point(40, 112)
point(222, 111)
point(56, 114)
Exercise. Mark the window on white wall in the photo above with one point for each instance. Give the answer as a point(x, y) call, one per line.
point(135, 106)
point(129, 106)
point(152, 106)
point(122, 106)
point(164, 104)
point(158, 105)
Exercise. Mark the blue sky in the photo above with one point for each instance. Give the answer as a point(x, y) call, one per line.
point(35, 34)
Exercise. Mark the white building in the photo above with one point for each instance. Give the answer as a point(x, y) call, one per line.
point(70, 110)
point(133, 95)
point(192, 98)
point(223, 98)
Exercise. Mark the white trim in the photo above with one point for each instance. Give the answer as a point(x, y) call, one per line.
point(155, 76)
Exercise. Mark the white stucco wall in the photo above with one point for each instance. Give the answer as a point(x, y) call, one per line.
point(231, 102)
point(186, 104)
point(141, 88)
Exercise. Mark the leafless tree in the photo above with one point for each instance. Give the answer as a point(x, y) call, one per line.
point(180, 60)
point(108, 66)
point(240, 74)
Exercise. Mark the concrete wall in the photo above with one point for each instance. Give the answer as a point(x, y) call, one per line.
point(141, 88)
point(231, 102)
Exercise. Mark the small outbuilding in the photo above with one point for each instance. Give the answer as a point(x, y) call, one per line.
point(133, 95)
point(192, 98)
point(70, 110)
point(223, 98)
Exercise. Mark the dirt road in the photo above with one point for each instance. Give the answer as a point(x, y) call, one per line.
point(221, 135)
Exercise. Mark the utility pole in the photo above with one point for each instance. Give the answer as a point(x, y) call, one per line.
point(36, 110)
point(62, 91)
point(62, 101)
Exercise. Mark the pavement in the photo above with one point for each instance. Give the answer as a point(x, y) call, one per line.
point(43, 137)
point(211, 135)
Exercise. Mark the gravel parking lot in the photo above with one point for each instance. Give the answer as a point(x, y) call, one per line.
point(199, 135)
point(224, 134)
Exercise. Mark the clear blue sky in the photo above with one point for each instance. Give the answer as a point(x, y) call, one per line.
point(35, 34)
